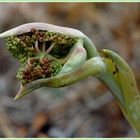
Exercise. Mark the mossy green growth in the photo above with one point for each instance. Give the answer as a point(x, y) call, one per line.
point(22, 46)
point(39, 69)
point(19, 49)
point(32, 45)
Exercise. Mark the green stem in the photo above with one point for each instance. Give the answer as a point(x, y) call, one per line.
point(113, 85)
point(90, 48)
point(131, 97)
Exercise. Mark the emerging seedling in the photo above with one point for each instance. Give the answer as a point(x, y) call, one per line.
point(57, 56)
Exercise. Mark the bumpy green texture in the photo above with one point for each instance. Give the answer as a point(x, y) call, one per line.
point(22, 46)
point(19, 49)
point(38, 70)
point(34, 44)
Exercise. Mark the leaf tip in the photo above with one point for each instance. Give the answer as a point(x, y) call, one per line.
point(20, 93)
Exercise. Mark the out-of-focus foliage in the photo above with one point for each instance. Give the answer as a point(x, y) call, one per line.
point(85, 109)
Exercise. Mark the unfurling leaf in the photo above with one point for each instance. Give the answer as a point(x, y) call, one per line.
point(55, 56)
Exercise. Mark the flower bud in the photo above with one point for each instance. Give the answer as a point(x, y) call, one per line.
point(46, 51)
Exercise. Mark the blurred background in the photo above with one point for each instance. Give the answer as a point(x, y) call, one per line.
point(84, 109)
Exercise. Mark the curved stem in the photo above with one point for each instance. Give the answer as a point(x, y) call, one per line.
point(43, 47)
point(90, 48)
point(50, 48)
point(113, 85)
point(31, 60)
point(36, 47)
point(131, 97)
